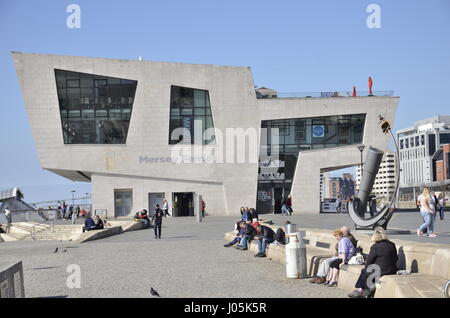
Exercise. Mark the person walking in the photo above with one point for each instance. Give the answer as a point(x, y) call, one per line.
point(203, 208)
point(157, 218)
point(442, 201)
point(284, 206)
point(8, 217)
point(435, 207)
point(289, 204)
point(74, 217)
point(165, 207)
point(338, 204)
point(427, 210)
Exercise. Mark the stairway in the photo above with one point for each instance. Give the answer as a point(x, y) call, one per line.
point(59, 232)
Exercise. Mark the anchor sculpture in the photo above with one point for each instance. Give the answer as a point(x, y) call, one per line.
point(358, 205)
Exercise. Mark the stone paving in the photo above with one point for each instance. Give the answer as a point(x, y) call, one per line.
point(189, 261)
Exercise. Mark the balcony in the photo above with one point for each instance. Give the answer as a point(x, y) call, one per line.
point(388, 93)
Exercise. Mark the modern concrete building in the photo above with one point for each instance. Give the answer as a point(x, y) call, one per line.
point(127, 126)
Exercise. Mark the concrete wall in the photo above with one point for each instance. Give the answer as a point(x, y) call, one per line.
point(224, 186)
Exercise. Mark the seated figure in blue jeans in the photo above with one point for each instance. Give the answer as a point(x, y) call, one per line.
point(247, 236)
point(265, 235)
point(241, 233)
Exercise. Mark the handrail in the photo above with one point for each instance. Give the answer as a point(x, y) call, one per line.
point(329, 94)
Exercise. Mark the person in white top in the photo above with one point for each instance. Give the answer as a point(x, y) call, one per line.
point(165, 208)
point(427, 209)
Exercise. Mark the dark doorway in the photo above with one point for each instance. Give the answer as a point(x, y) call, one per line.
point(183, 204)
point(123, 202)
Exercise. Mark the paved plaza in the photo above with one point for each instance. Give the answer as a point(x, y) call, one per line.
point(189, 261)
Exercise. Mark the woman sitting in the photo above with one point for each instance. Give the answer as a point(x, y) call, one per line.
point(345, 252)
point(383, 254)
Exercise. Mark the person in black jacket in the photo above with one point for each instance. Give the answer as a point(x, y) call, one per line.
point(247, 237)
point(157, 217)
point(383, 254)
point(265, 235)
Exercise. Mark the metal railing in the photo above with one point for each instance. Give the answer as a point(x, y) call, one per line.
point(388, 93)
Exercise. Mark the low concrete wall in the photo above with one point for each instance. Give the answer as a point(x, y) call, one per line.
point(429, 264)
point(97, 234)
point(11, 280)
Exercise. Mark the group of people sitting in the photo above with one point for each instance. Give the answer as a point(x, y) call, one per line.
point(142, 216)
point(250, 229)
point(248, 214)
point(383, 253)
point(90, 224)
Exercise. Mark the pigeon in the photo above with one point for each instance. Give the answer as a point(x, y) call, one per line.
point(154, 292)
point(56, 250)
point(64, 251)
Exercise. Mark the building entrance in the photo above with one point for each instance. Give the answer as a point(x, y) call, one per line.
point(123, 202)
point(182, 203)
point(153, 200)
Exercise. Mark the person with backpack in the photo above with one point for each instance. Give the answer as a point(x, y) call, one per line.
point(280, 237)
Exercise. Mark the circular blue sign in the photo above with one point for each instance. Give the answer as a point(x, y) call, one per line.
point(318, 131)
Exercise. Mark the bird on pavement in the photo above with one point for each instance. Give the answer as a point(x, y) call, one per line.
point(56, 250)
point(154, 292)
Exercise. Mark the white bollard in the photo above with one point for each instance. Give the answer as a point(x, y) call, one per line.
point(292, 251)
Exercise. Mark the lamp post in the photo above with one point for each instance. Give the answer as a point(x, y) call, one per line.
point(73, 197)
point(361, 148)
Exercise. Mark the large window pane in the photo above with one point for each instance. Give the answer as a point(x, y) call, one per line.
point(191, 104)
point(99, 111)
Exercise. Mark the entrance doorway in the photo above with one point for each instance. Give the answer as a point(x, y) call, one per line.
point(183, 204)
point(123, 202)
point(153, 200)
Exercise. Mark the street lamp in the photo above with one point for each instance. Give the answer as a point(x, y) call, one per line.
point(361, 148)
point(73, 197)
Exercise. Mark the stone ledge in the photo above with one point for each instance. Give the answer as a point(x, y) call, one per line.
point(97, 234)
point(432, 258)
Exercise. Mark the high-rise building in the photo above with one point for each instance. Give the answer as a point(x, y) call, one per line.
point(384, 184)
point(418, 145)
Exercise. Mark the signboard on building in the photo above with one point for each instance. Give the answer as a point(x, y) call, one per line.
point(318, 131)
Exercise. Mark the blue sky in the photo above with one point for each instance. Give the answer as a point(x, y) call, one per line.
point(291, 46)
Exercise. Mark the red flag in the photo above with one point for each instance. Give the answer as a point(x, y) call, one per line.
point(370, 85)
point(354, 91)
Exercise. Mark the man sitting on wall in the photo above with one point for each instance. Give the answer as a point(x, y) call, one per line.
point(89, 224)
point(265, 235)
point(248, 236)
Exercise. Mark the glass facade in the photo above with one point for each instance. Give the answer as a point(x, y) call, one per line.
point(189, 106)
point(94, 109)
point(295, 135)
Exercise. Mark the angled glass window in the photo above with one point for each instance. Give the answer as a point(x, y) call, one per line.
point(94, 109)
point(190, 116)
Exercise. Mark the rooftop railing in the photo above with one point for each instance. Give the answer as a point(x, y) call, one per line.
point(388, 93)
